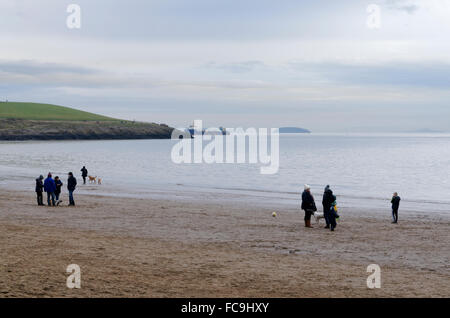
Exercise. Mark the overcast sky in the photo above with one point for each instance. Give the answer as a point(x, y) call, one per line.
point(259, 63)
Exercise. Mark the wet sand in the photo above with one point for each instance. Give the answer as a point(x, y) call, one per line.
point(205, 248)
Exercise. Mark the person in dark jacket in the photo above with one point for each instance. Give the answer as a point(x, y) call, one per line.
point(84, 174)
point(308, 205)
point(58, 184)
point(71, 185)
point(333, 215)
point(50, 187)
point(327, 201)
point(39, 190)
point(395, 206)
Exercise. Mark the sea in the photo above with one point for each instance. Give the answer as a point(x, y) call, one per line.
point(362, 169)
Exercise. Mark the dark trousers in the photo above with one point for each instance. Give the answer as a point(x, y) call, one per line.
point(326, 215)
point(51, 195)
point(71, 201)
point(84, 180)
point(57, 194)
point(332, 219)
point(40, 200)
point(394, 215)
point(308, 214)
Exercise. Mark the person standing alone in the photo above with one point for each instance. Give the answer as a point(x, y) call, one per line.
point(71, 185)
point(84, 174)
point(395, 206)
point(50, 188)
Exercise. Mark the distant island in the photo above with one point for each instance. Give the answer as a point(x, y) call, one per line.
point(294, 130)
point(425, 131)
point(32, 121)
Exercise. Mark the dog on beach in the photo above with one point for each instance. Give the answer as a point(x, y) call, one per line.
point(92, 179)
point(318, 216)
point(99, 180)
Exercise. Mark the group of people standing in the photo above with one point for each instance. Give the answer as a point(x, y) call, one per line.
point(329, 207)
point(53, 189)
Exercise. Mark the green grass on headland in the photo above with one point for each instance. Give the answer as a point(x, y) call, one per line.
point(34, 111)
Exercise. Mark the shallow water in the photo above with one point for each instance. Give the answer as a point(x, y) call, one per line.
point(363, 170)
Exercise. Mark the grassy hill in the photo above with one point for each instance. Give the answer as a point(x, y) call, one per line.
point(34, 111)
point(31, 121)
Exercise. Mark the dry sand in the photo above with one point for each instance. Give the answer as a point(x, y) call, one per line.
point(199, 248)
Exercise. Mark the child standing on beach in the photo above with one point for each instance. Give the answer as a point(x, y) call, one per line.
point(58, 184)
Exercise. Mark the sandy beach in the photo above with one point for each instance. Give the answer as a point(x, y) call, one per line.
point(205, 248)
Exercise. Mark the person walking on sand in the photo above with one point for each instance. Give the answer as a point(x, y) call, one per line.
point(308, 205)
point(71, 185)
point(50, 187)
point(58, 184)
point(84, 174)
point(327, 201)
point(395, 205)
point(39, 190)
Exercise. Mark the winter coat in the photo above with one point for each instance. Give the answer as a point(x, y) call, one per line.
point(39, 185)
point(58, 184)
point(84, 172)
point(395, 202)
point(328, 199)
point(71, 183)
point(308, 203)
point(49, 185)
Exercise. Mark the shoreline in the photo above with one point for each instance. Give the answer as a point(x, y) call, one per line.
point(174, 248)
point(12, 130)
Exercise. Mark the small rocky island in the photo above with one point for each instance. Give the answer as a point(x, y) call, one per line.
point(294, 130)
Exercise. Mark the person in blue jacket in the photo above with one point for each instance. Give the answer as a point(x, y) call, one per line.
point(50, 187)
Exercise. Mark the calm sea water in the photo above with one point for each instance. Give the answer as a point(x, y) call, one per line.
point(363, 170)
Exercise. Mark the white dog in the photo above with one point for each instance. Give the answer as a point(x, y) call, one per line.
point(318, 216)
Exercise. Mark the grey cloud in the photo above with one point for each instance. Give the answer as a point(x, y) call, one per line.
point(393, 74)
point(36, 74)
point(238, 67)
point(402, 5)
point(32, 68)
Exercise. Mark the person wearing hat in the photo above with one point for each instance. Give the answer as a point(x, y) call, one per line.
point(71, 185)
point(39, 190)
point(50, 188)
point(308, 205)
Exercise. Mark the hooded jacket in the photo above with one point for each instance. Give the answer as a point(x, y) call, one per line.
point(39, 185)
point(49, 185)
point(328, 199)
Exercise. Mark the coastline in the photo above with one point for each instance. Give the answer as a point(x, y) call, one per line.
point(54, 130)
point(225, 248)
